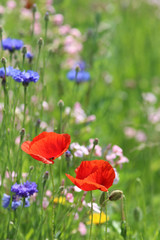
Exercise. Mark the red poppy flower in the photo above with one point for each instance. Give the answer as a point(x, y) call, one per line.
point(28, 4)
point(47, 146)
point(92, 175)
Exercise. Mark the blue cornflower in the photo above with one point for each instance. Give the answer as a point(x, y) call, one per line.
point(79, 75)
point(16, 202)
point(25, 77)
point(24, 190)
point(12, 44)
point(5, 200)
point(9, 71)
point(29, 56)
point(27, 203)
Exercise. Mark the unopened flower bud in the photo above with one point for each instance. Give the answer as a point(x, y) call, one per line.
point(34, 8)
point(31, 168)
point(61, 103)
point(24, 50)
point(22, 132)
point(4, 61)
point(62, 182)
point(46, 175)
point(115, 195)
point(38, 122)
point(40, 42)
point(46, 17)
point(95, 142)
point(77, 69)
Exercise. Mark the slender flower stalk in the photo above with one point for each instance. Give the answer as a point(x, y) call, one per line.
point(61, 105)
point(40, 43)
point(53, 212)
point(25, 104)
point(24, 51)
point(34, 9)
point(106, 235)
point(19, 219)
point(90, 234)
point(123, 221)
point(1, 37)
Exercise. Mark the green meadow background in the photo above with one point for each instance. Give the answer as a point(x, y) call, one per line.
point(122, 52)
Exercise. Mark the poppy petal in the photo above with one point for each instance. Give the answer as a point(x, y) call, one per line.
point(25, 146)
point(88, 167)
point(47, 146)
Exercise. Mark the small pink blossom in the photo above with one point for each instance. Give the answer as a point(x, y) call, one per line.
point(45, 105)
point(91, 118)
point(141, 136)
point(76, 216)
point(96, 208)
point(11, 4)
point(121, 161)
point(24, 175)
point(26, 13)
point(149, 97)
point(130, 132)
point(58, 19)
point(69, 197)
point(75, 32)
point(64, 29)
point(82, 229)
point(48, 193)
point(45, 203)
point(2, 9)
point(37, 28)
point(116, 149)
point(116, 180)
point(33, 197)
point(17, 140)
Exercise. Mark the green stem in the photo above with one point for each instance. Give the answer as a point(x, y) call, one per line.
point(33, 23)
point(123, 222)
point(106, 235)
point(18, 223)
point(10, 58)
point(90, 234)
point(25, 105)
point(53, 213)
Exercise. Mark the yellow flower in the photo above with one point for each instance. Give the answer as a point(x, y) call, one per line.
point(60, 200)
point(97, 217)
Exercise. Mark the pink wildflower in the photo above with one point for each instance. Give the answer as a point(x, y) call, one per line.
point(82, 229)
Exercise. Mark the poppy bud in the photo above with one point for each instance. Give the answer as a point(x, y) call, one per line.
point(61, 103)
point(24, 50)
point(22, 132)
point(115, 195)
point(95, 142)
point(137, 214)
point(31, 168)
point(40, 42)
